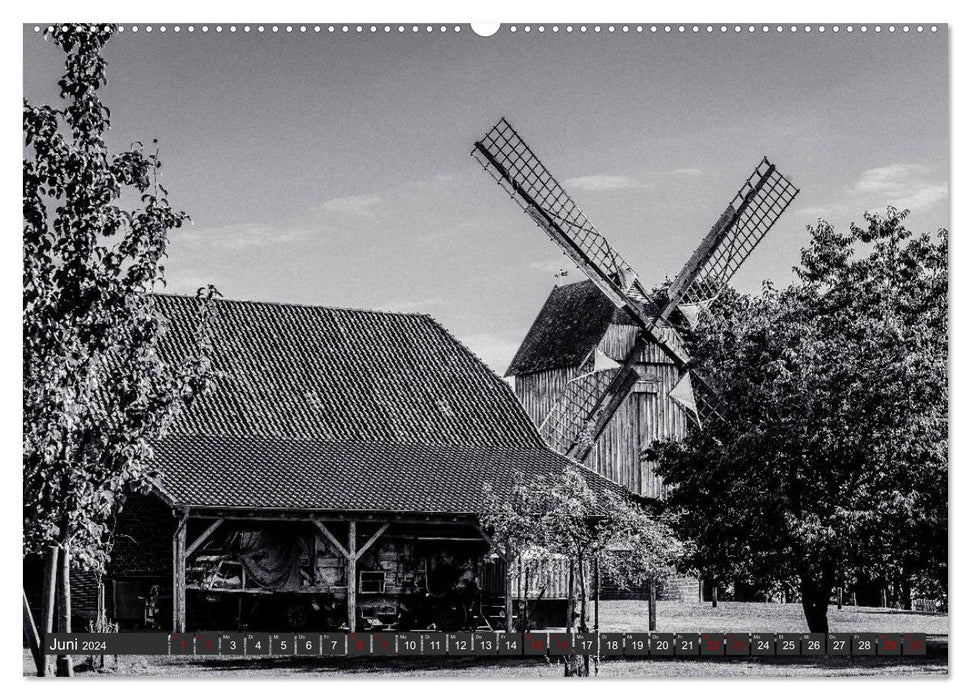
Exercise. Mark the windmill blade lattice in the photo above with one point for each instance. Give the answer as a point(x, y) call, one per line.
point(570, 422)
point(504, 154)
point(754, 210)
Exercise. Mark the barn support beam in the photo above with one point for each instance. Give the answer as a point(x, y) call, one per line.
point(351, 554)
point(203, 538)
point(352, 576)
point(333, 540)
point(178, 574)
point(371, 540)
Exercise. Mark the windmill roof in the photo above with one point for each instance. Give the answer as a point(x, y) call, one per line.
point(328, 407)
point(568, 327)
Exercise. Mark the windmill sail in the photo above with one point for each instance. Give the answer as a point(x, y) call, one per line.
point(517, 169)
point(585, 408)
point(756, 207)
point(590, 401)
point(574, 423)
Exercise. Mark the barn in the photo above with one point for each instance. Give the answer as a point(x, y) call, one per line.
point(331, 479)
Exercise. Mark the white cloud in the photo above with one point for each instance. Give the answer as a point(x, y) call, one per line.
point(902, 185)
point(688, 172)
point(354, 205)
point(249, 235)
point(602, 183)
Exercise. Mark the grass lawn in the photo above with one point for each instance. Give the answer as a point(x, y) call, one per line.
point(615, 616)
point(631, 616)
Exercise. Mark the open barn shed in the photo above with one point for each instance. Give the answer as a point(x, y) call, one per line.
point(331, 479)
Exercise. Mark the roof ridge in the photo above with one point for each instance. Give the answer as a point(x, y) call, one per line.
point(573, 284)
point(298, 305)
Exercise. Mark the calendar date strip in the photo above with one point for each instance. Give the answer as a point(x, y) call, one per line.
point(483, 643)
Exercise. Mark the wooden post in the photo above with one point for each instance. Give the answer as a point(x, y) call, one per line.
point(102, 620)
point(65, 666)
point(352, 576)
point(651, 606)
point(351, 554)
point(839, 598)
point(883, 597)
point(571, 600)
point(714, 596)
point(596, 592)
point(701, 590)
point(32, 638)
point(853, 599)
point(509, 579)
point(48, 606)
point(178, 575)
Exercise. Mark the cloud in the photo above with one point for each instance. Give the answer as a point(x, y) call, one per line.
point(602, 183)
point(354, 205)
point(902, 185)
point(251, 235)
point(688, 172)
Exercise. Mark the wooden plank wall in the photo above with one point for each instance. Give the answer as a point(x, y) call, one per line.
point(646, 415)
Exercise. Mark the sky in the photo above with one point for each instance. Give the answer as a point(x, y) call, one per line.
point(333, 169)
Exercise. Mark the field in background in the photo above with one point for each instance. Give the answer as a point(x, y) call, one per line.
point(615, 616)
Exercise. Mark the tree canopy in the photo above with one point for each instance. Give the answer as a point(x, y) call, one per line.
point(832, 455)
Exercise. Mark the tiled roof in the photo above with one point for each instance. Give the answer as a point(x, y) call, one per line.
point(273, 473)
point(570, 324)
point(339, 375)
point(336, 409)
point(568, 327)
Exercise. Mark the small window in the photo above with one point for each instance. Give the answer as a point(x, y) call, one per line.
point(372, 582)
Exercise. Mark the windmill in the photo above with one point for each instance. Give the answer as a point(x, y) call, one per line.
point(590, 400)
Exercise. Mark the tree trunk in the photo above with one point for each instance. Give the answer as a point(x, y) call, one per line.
point(570, 600)
point(582, 578)
point(714, 596)
point(652, 606)
point(907, 593)
point(584, 591)
point(508, 598)
point(815, 602)
point(65, 665)
point(523, 582)
point(49, 603)
point(572, 663)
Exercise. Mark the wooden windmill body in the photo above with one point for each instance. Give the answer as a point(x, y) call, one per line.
point(577, 331)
